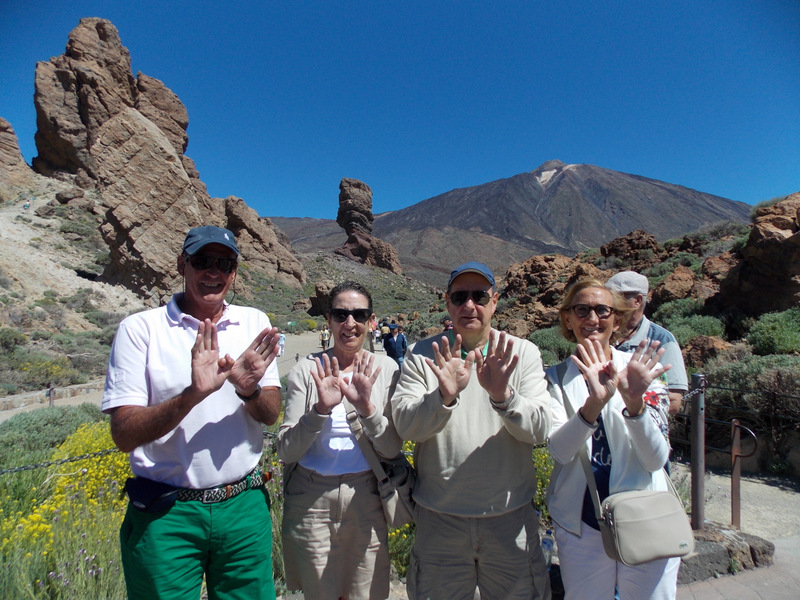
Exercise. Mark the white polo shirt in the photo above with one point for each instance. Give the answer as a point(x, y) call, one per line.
point(218, 442)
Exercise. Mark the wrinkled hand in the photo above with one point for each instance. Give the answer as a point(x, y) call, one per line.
point(450, 370)
point(600, 374)
point(494, 370)
point(209, 371)
point(639, 373)
point(358, 390)
point(250, 367)
point(326, 378)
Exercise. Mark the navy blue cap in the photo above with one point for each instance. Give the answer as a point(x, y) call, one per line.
point(198, 237)
point(471, 267)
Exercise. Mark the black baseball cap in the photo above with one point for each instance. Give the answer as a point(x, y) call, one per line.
point(198, 237)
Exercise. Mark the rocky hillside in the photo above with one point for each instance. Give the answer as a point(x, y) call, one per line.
point(730, 271)
point(113, 145)
point(555, 208)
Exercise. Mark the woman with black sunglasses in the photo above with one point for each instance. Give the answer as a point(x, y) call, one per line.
point(335, 538)
point(611, 405)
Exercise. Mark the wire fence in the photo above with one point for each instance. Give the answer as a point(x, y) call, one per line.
point(674, 438)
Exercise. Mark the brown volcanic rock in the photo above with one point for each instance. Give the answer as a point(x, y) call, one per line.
point(15, 170)
point(355, 217)
point(768, 277)
point(101, 128)
point(703, 348)
point(675, 286)
point(638, 249)
point(77, 92)
point(539, 284)
point(355, 206)
point(259, 243)
point(161, 106)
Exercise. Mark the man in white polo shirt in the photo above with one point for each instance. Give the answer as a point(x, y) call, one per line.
point(190, 415)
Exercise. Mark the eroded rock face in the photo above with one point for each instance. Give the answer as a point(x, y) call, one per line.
point(16, 172)
point(638, 249)
point(703, 348)
point(768, 277)
point(101, 128)
point(355, 217)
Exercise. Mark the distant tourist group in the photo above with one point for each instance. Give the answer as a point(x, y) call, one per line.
point(190, 386)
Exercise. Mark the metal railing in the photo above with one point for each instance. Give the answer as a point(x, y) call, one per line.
point(698, 422)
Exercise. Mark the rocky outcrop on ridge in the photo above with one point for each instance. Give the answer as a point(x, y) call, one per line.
point(763, 276)
point(123, 137)
point(355, 217)
point(768, 276)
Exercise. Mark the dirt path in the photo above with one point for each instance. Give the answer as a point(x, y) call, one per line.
point(297, 346)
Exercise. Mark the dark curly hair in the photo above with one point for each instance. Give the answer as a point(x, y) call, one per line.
point(349, 286)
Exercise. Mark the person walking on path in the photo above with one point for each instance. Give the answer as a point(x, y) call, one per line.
point(396, 344)
point(191, 416)
point(324, 337)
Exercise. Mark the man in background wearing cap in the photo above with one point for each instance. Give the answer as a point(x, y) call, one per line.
point(190, 415)
point(634, 287)
point(475, 402)
point(396, 343)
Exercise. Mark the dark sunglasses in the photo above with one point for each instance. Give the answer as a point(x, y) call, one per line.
point(360, 315)
point(202, 262)
point(460, 297)
point(601, 310)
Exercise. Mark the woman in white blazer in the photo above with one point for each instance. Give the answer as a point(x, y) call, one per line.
point(618, 406)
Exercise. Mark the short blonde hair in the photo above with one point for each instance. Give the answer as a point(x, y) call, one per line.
point(621, 310)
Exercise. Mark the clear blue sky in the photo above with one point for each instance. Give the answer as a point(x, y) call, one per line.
point(416, 98)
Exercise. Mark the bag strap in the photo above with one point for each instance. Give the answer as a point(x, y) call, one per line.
point(561, 370)
point(363, 441)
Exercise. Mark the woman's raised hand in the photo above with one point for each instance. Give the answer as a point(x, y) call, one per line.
point(640, 372)
point(326, 378)
point(359, 389)
point(600, 374)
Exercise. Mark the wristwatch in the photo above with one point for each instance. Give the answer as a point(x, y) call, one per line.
point(504, 404)
point(252, 396)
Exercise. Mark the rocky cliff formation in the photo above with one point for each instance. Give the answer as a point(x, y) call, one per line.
point(768, 276)
point(355, 217)
point(123, 137)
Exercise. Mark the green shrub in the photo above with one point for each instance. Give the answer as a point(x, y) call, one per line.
point(659, 271)
point(776, 333)
point(761, 390)
point(38, 370)
point(685, 329)
point(667, 314)
point(11, 338)
point(552, 341)
point(544, 469)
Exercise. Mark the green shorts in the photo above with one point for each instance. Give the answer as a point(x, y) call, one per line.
point(165, 554)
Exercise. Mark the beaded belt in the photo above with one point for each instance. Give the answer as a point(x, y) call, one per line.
point(253, 479)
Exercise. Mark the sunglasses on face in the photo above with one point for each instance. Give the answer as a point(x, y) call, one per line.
point(360, 315)
point(203, 262)
point(460, 297)
point(601, 310)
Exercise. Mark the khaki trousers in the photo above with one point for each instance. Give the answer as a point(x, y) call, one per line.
point(501, 556)
point(335, 539)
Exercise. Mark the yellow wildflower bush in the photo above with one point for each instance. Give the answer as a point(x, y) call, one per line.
point(66, 544)
point(79, 489)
